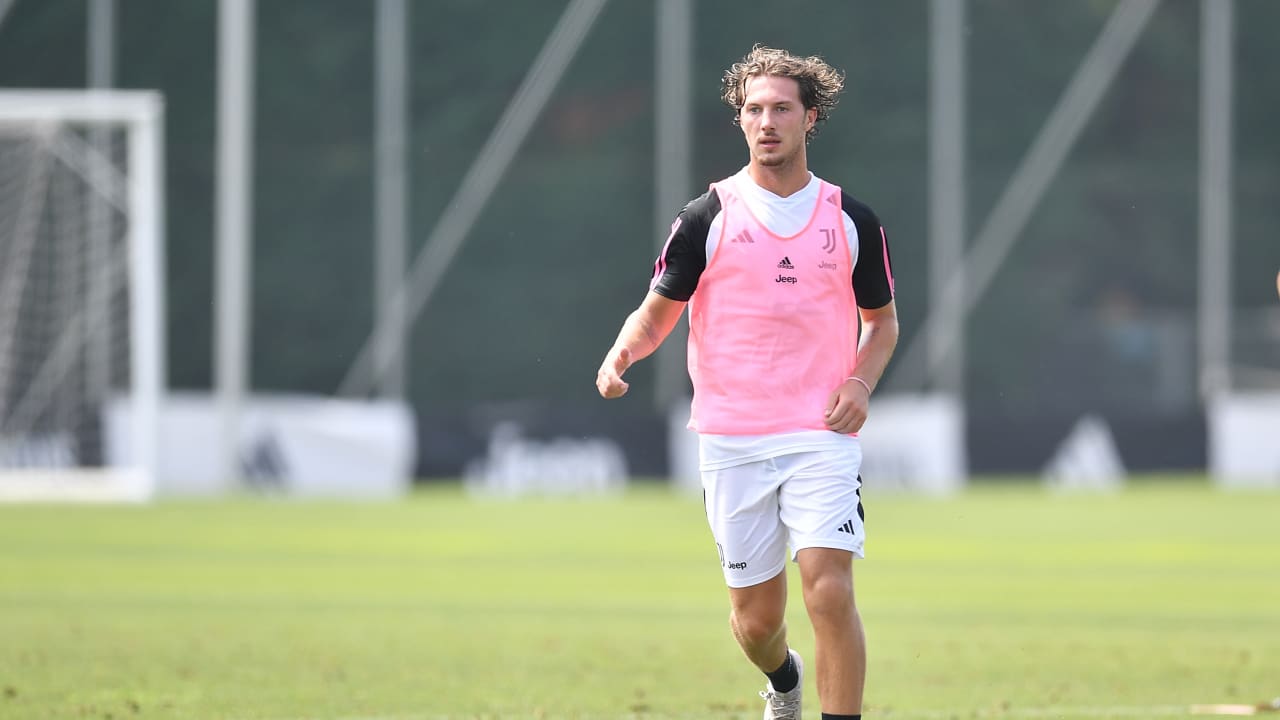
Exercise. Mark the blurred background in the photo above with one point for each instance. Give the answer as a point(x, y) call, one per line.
point(437, 214)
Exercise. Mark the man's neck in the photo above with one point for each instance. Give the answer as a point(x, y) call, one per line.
point(781, 181)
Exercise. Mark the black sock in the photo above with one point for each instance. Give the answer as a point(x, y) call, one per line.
point(831, 716)
point(786, 677)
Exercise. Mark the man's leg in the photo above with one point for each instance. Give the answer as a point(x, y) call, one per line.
point(742, 509)
point(756, 615)
point(840, 648)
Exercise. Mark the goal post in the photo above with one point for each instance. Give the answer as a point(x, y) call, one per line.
point(82, 345)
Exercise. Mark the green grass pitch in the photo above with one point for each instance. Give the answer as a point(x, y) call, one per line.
point(1003, 602)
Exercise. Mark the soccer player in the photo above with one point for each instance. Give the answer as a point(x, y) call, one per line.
point(792, 322)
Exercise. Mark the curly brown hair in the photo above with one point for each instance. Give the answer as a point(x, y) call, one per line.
point(820, 84)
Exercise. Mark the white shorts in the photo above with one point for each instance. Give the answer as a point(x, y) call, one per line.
point(801, 500)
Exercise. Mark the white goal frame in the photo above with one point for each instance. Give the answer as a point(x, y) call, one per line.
point(133, 477)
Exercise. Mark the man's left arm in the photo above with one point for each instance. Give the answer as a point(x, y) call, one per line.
point(848, 405)
point(873, 287)
point(878, 339)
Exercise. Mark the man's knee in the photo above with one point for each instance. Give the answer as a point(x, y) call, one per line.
point(829, 595)
point(756, 626)
point(758, 612)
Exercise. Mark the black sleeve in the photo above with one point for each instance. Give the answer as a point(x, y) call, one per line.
point(684, 255)
point(873, 275)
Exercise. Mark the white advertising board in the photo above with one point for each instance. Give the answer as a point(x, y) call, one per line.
point(1244, 440)
point(293, 445)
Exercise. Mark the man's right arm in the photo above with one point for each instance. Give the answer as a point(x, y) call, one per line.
point(641, 334)
point(675, 277)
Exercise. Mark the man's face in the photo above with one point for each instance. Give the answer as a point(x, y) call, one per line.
point(773, 120)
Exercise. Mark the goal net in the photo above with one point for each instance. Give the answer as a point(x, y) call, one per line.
point(81, 335)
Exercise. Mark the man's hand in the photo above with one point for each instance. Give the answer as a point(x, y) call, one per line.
point(609, 378)
point(847, 407)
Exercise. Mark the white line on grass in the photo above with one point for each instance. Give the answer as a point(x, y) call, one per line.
point(1050, 711)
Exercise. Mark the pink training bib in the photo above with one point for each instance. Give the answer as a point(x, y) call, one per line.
point(773, 323)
